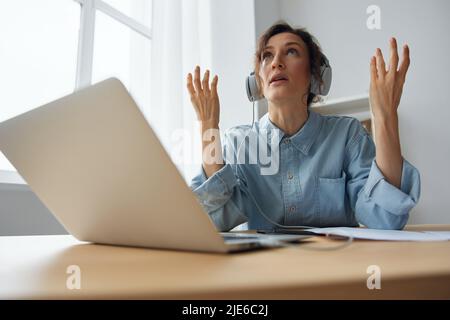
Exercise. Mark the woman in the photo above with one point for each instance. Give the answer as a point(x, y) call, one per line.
point(330, 173)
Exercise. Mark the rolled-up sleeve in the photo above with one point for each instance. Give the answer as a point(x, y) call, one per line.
point(377, 203)
point(221, 196)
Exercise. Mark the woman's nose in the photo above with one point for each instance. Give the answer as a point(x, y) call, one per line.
point(277, 62)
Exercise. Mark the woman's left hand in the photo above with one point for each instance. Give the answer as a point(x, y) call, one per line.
point(386, 85)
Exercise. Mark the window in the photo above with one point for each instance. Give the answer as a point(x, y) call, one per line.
point(38, 55)
point(139, 10)
point(50, 48)
point(130, 61)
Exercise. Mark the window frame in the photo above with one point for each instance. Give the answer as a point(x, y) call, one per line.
point(85, 55)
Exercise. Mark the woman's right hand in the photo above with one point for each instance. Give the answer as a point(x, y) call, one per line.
point(204, 98)
point(206, 104)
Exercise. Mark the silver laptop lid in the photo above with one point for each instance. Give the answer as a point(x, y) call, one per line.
point(94, 161)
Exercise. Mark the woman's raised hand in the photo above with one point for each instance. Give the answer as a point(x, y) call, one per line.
point(386, 86)
point(204, 98)
point(206, 105)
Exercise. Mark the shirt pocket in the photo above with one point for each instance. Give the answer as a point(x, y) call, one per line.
point(331, 201)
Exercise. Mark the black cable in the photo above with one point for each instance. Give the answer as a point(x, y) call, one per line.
point(276, 242)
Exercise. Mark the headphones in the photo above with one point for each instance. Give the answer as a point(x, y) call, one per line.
point(254, 94)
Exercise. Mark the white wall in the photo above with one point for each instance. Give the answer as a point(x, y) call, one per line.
point(22, 213)
point(340, 27)
point(267, 12)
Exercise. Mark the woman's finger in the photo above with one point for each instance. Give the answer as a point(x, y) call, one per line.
point(214, 86)
point(197, 84)
point(189, 85)
point(381, 67)
point(205, 83)
point(373, 69)
point(405, 62)
point(393, 63)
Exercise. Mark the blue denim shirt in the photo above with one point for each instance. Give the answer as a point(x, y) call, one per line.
point(327, 176)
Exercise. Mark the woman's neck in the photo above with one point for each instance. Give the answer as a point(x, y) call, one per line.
point(288, 116)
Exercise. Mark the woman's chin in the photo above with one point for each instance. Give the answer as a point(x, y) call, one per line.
point(279, 96)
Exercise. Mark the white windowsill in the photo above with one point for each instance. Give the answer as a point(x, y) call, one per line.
point(355, 106)
point(11, 177)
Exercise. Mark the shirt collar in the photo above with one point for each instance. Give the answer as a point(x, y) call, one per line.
point(304, 138)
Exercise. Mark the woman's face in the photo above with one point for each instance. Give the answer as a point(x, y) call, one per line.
point(284, 69)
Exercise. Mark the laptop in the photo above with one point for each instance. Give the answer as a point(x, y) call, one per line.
point(92, 158)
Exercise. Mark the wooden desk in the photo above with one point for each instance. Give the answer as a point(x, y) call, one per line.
point(35, 267)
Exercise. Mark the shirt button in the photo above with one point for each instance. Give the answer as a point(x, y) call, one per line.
point(292, 209)
point(290, 176)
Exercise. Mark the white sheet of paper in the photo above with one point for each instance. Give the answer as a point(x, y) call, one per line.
point(387, 235)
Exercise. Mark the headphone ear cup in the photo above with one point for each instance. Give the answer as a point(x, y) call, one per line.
point(314, 85)
point(326, 76)
point(251, 85)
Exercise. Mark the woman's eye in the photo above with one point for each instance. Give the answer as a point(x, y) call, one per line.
point(266, 55)
point(292, 50)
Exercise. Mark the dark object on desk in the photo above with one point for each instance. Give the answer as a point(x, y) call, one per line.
point(299, 231)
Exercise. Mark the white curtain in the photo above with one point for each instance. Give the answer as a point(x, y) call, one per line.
point(180, 40)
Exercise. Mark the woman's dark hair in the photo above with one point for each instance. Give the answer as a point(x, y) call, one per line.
point(314, 51)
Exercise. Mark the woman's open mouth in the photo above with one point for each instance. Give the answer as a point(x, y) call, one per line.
point(278, 82)
point(278, 79)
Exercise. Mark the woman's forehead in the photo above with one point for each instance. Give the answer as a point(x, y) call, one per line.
point(282, 39)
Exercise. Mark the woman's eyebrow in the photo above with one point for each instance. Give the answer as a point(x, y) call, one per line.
point(286, 44)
